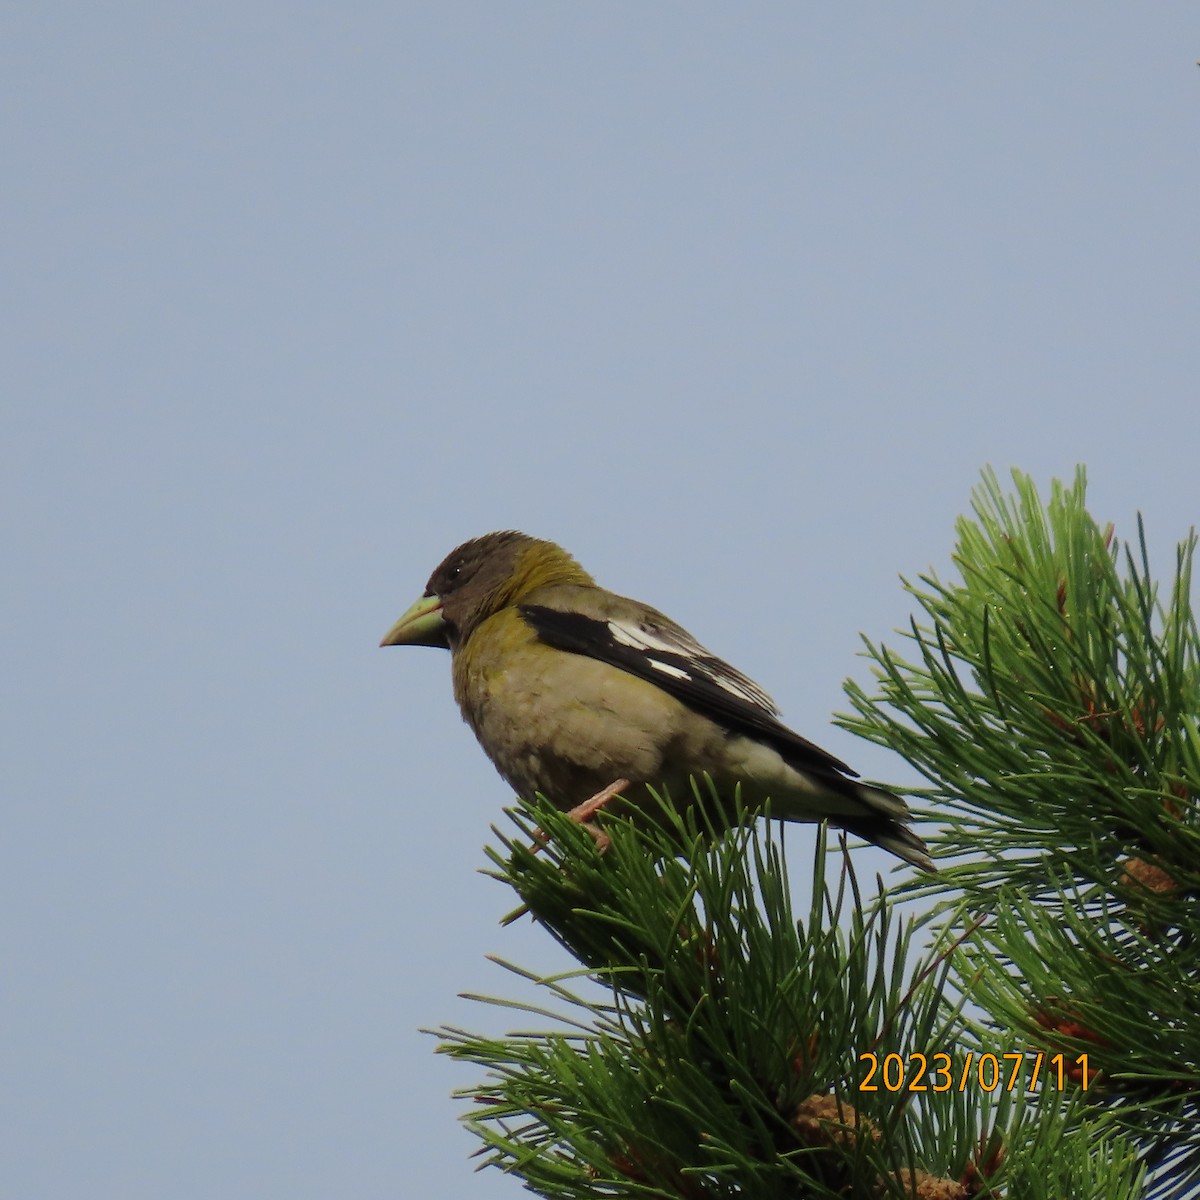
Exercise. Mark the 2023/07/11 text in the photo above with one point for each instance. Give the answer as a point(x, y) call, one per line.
point(988, 1072)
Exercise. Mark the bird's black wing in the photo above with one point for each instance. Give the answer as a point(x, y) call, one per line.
point(656, 649)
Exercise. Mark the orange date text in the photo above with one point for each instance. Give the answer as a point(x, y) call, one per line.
point(988, 1072)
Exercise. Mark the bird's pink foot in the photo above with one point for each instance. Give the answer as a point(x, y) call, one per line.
point(583, 814)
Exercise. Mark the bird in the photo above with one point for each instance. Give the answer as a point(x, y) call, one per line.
point(582, 695)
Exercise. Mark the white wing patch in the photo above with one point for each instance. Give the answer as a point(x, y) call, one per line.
point(667, 669)
point(690, 660)
point(642, 638)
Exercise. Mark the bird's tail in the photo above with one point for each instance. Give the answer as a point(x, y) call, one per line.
point(886, 824)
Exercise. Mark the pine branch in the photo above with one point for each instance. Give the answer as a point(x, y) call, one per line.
point(719, 1055)
point(1052, 701)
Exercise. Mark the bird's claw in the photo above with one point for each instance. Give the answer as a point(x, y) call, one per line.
point(583, 813)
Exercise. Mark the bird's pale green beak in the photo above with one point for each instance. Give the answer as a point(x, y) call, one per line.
point(421, 625)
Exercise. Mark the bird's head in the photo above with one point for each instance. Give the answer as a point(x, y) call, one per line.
point(477, 580)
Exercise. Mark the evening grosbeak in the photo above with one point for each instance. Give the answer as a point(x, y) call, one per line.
point(579, 694)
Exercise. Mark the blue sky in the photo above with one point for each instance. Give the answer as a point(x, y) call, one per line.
point(733, 302)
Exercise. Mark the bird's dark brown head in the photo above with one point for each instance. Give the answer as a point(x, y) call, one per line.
point(472, 580)
point(477, 580)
